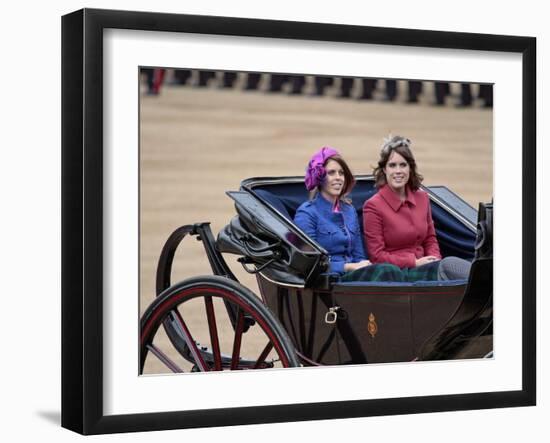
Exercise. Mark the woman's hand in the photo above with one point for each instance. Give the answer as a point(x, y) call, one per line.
point(425, 260)
point(353, 266)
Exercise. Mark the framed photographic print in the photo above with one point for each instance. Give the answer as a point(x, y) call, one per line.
point(255, 211)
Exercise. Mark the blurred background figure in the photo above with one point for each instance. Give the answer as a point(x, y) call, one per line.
point(391, 90)
point(486, 94)
point(252, 81)
point(155, 77)
point(369, 85)
point(465, 95)
point(442, 90)
point(204, 78)
point(149, 73)
point(345, 87)
point(297, 83)
point(415, 88)
point(277, 81)
point(228, 79)
point(181, 76)
point(322, 82)
point(317, 85)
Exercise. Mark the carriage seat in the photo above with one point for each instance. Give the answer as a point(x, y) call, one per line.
point(288, 197)
point(454, 238)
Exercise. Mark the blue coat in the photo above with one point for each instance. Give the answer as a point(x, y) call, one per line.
point(338, 232)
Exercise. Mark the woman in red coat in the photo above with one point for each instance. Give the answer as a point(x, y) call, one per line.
point(398, 223)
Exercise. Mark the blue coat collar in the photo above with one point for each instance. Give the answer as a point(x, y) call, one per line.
point(324, 205)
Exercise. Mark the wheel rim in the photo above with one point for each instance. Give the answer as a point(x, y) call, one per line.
point(276, 349)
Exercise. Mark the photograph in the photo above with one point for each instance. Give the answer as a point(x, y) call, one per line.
point(275, 221)
point(308, 220)
point(288, 221)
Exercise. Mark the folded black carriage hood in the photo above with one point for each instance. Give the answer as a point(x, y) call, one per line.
point(272, 245)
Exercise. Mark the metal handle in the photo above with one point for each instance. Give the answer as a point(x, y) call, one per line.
point(332, 315)
point(242, 261)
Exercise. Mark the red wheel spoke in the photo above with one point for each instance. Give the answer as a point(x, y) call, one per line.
point(237, 341)
point(199, 361)
point(168, 311)
point(263, 355)
point(213, 333)
point(164, 358)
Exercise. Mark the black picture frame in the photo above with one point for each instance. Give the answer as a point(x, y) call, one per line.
point(82, 218)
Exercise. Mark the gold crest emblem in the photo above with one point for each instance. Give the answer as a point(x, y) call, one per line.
point(372, 327)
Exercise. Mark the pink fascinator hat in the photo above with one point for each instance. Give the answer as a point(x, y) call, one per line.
point(315, 171)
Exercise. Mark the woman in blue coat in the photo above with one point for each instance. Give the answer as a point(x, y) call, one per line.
point(330, 219)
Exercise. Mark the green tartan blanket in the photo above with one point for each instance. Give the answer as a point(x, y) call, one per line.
point(388, 272)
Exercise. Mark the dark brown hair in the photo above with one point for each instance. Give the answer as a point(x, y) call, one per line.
point(349, 179)
point(401, 145)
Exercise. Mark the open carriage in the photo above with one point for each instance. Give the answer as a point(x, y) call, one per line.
point(306, 316)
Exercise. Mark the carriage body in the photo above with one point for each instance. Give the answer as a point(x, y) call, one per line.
point(329, 322)
point(356, 323)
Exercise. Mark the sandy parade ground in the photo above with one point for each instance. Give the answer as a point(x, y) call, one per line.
point(198, 143)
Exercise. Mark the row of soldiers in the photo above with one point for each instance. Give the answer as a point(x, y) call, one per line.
point(347, 87)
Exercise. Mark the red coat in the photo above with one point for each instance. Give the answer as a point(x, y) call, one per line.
point(399, 232)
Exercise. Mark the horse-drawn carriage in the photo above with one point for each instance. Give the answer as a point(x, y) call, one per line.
point(306, 315)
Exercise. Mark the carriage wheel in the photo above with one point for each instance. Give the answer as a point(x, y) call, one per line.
point(201, 345)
